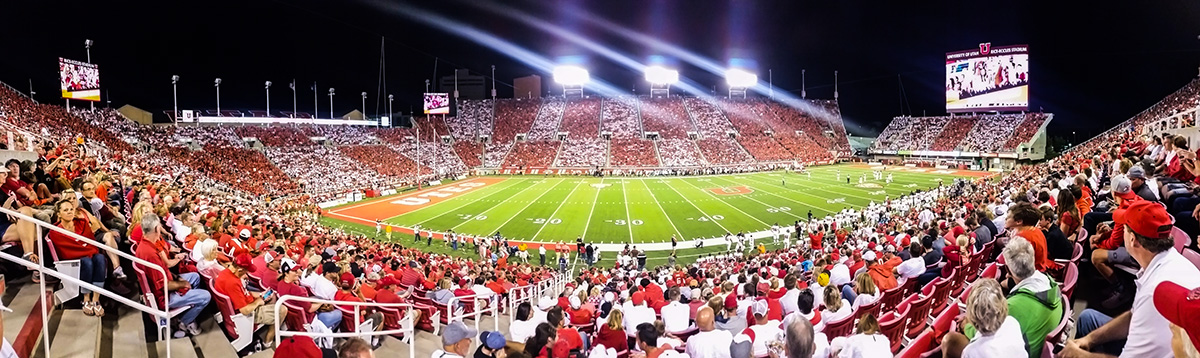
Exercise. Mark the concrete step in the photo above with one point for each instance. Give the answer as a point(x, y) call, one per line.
point(180, 348)
point(23, 303)
point(128, 337)
point(76, 336)
point(212, 341)
point(266, 353)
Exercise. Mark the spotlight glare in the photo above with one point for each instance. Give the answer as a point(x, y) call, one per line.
point(661, 75)
point(740, 78)
point(570, 75)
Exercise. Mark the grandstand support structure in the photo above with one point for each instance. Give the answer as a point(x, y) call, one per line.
point(637, 110)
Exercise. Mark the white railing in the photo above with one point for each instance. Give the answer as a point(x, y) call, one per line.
point(406, 322)
point(459, 314)
point(162, 314)
point(518, 295)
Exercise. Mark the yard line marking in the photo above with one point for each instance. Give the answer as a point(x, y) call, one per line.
point(628, 220)
point(593, 210)
point(664, 211)
point(518, 213)
point(495, 206)
point(560, 205)
point(814, 188)
point(785, 198)
point(698, 208)
point(728, 204)
point(515, 182)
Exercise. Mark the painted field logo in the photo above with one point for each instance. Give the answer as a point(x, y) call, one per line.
point(878, 192)
point(601, 186)
point(835, 200)
point(869, 185)
point(731, 190)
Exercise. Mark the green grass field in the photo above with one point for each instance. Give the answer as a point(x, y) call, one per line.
point(635, 210)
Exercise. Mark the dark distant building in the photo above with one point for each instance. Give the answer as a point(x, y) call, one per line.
point(527, 87)
point(469, 86)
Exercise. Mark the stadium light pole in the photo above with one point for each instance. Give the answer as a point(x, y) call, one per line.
point(330, 102)
point(426, 86)
point(268, 84)
point(364, 105)
point(293, 87)
point(175, 98)
point(87, 45)
point(493, 82)
point(217, 84)
point(390, 97)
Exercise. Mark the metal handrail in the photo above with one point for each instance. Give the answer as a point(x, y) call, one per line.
point(357, 312)
point(43, 270)
point(492, 307)
point(528, 293)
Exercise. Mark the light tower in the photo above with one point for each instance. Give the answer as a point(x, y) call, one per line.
point(661, 79)
point(364, 105)
point(572, 78)
point(175, 98)
point(217, 84)
point(739, 80)
point(331, 103)
point(268, 86)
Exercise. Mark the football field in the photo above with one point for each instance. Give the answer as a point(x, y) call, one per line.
point(636, 210)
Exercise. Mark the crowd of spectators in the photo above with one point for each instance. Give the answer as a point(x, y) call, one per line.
point(709, 119)
point(471, 152)
point(802, 147)
point(532, 154)
point(991, 133)
point(494, 153)
point(620, 117)
point(1026, 130)
point(952, 134)
point(384, 160)
point(680, 153)
point(545, 126)
point(764, 148)
point(667, 116)
point(343, 135)
point(323, 172)
point(514, 117)
point(275, 136)
point(435, 155)
point(581, 119)
point(473, 120)
point(720, 151)
point(632, 153)
point(582, 153)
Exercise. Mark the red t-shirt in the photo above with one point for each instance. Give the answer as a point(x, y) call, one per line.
point(1038, 241)
point(387, 296)
point(151, 253)
point(568, 339)
point(68, 247)
point(283, 288)
point(815, 240)
point(230, 285)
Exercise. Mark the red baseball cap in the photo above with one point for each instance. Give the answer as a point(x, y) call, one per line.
point(731, 301)
point(1177, 304)
point(638, 297)
point(244, 261)
point(297, 347)
point(388, 281)
point(347, 278)
point(1146, 218)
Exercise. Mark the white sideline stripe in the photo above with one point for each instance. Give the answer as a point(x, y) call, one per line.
point(496, 206)
point(453, 211)
point(628, 220)
point(728, 204)
point(664, 211)
point(518, 213)
point(436, 187)
point(593, 210)
point(560, 205)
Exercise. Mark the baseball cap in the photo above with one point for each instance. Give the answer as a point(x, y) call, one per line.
point(1136, 172)
point(297, 347)
point(245, 233)
point(1179, 305)
point(456, 332)
point(1123, 188)
point(575, 303)
point(462, 282)
point(869, 256)
point(388, 281)
point(492, 339)
point(330, 267)
point(347, 279)
point(546, 303)
point(638, 297)
point(288, 264)
point(244, 261)
point(730, 301)
point(1146, 218)
point(760, 308)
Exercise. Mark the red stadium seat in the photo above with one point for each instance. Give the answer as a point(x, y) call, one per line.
point(917, 313)
point(892, 325)
point(840, 328)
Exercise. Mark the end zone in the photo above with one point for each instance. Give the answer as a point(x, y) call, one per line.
point(387, 208)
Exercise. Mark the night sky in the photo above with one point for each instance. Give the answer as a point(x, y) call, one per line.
point(1093, 64)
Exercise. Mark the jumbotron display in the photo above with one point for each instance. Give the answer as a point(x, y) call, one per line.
point(988, 79)
point(79, 80)
point(437, 103)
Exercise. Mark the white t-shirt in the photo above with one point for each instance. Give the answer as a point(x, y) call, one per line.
point(788, 301)
point(764, 333)
point(869, 346)
point(675, 316)
point(833, 316)
point(320, 286)
point(1147, 327)
point(910, 268)
point(864, 299)
point(839, 275)
point(1006, 340)
point(519, 331)
point(711, 344)
point(637, 315)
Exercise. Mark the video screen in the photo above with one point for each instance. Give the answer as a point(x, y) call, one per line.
point(79, 80)
point(437, 103)
point(988, 79)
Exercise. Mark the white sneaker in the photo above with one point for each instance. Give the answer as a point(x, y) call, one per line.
point(192, 329)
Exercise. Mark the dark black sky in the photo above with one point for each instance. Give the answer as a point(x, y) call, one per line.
point(1093, 63)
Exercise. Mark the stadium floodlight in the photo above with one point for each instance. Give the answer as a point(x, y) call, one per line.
point(175, 98)
point(217, 84)
point(268, 84)
point(88, 43)
point(740, 78)
point(330, 102)
point(570, 75)
point(661, 75)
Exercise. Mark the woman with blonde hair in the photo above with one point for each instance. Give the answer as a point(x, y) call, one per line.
point(611, 334)
point(997, 333)
point(836, 307)
point(865, 291)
